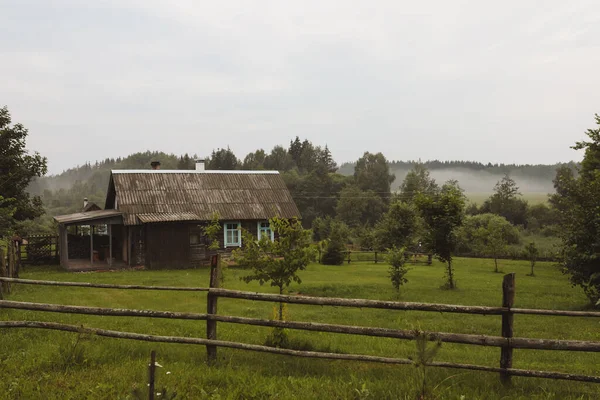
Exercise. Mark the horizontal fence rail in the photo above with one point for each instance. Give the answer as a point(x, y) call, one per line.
point(102, 285)
point(298, 353)
point(393, 305)
point(458, 338)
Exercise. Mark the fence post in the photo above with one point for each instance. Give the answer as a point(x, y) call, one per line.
point(508, 300)
point(2, 273)
point(211, 308)
point(375, 257)
point(349, 252)
point(151, 374)
point(429, 259)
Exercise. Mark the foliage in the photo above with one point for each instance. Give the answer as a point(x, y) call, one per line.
point(507, 202)
point(487, 234)
point(213, 231)
point(418, 180)
point(358, 207)
point(532, 254)
point(578, 201)
point(336, 244)
point(278, 337)
point(372, 172)
point(278, 261)
point(443, 213)
point(223, 159)
point(7, 210)
point(424, 356)
point(398, 227)
point(17, 169)
point(255, 161)
point(397, 271)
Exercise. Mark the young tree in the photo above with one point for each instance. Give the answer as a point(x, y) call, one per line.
point(336, 244)
point(491, 239)
point(443, 213)
point(18, 168)
point(398, 227)
point(278, 261)
point(578, 200)
point(532, 254)
point(212, 232)
point(398, 269)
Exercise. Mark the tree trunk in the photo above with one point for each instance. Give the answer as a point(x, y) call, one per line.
point(281, 305)
point(496, 263)
point(450, 275)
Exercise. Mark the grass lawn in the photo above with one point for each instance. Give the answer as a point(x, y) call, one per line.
point(37, 364)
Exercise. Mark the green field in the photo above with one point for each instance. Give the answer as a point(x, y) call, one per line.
point(531, 197)
point(36, 364)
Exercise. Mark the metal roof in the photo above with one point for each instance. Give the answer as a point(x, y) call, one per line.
point(88, 216)
point(158, 195)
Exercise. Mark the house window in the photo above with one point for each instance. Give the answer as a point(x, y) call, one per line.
point(194, 238)
point(232, 233)
point(264, 230)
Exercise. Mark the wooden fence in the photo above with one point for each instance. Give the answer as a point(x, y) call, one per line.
point(380, 256)
point(506, 342)
point(39, 249)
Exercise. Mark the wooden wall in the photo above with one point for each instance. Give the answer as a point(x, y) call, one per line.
point(168, 244)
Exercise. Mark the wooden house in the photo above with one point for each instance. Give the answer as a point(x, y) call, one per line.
point(156, 218)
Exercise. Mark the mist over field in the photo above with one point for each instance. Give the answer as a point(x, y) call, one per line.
point(482, 181)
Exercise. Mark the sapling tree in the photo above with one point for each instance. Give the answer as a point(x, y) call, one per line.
point(212, 232)
point(276, 262)
point(398, 269)
point(532, 254)
point(443, 213)
point(491, 239)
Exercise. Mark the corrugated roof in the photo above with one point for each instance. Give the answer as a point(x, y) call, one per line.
point(166, 217)
point(177, 195)
point(87, 216)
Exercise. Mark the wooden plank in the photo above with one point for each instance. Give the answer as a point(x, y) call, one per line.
point(508, 300)
point(297, 353)
point(211, 308)
point(469, 339)
point(110, 244)
point(151, 375)
point(116, 312)
point(103, 285)
point(392, 305)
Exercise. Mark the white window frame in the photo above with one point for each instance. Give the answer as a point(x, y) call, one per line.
point(259, 228)
point(226, 243)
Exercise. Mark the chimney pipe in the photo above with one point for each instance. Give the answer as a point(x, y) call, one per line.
point(85, 202)
point(155, 165)
point(200, 165)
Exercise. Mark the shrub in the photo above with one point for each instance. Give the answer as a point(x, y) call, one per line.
point(398, 270)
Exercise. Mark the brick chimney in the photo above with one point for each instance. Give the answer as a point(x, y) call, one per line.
point(200, 165)
point(85, 202)
point(155, 165)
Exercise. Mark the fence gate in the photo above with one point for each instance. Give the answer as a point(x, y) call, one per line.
point(39, 249)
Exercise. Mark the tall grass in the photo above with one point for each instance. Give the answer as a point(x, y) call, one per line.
point(32, 362)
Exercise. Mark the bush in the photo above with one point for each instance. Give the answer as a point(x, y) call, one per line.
point(398, 270)
point(336, 246)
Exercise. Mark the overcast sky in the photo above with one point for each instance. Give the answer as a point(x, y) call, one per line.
point(505, 81)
